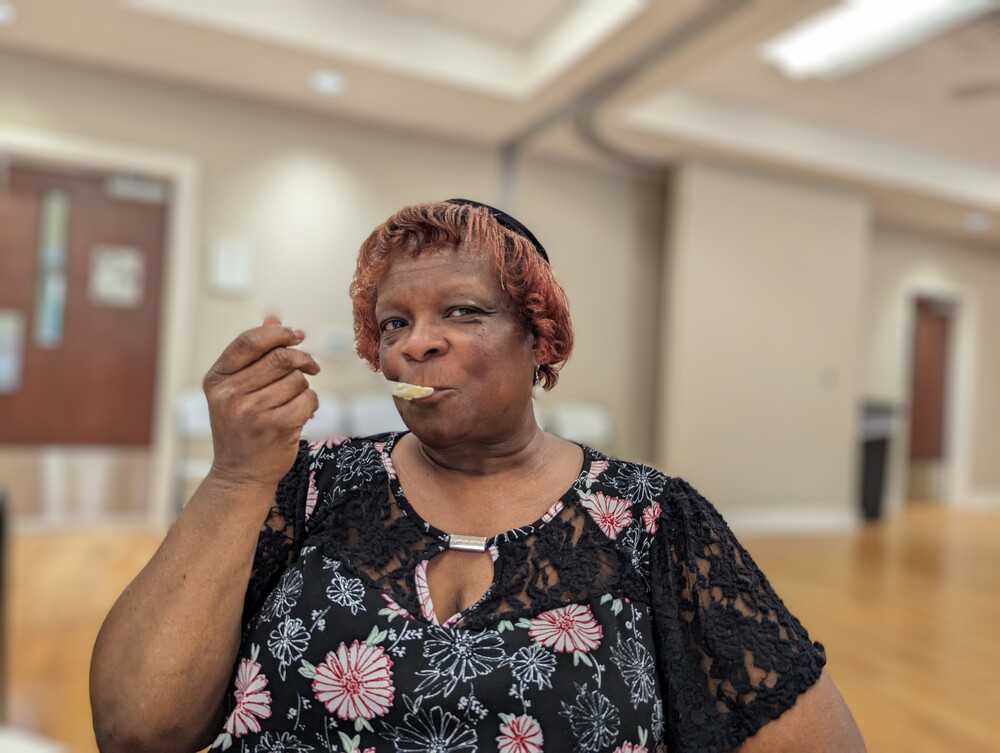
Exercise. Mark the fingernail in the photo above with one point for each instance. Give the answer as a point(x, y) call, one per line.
point(299, 333)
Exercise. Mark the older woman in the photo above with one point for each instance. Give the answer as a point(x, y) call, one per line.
point(472, 584)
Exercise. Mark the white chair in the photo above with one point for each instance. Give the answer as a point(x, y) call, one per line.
point(372, 413)
point(193, 428)
point(329, 420)
point(194, 433)
point(581, 421)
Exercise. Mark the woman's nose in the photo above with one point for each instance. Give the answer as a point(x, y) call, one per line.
point(423, 341)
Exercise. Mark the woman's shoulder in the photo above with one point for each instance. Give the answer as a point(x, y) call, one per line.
point(649, 491)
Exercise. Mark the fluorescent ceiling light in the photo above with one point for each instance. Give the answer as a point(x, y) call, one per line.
point(328, 82)
point(855, 33)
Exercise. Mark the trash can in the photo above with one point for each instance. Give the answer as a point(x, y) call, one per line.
point(876, 431)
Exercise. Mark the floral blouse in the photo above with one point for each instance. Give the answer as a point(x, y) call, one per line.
point(627, 619)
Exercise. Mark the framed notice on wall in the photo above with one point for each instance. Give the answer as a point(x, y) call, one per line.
point(117, 276)
point(11, 350)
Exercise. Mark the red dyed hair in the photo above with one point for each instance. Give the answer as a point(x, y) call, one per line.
point(523, 273)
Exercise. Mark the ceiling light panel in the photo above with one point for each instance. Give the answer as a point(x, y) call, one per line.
point(856, 33)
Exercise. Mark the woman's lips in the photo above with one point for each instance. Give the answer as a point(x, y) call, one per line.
point(408, 391)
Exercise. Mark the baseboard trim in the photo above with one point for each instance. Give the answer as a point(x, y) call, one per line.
point(792, 521)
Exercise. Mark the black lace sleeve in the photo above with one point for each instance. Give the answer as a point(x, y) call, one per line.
point(281, 535)
point(731, 656)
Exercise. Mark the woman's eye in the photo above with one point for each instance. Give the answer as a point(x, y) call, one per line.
point(462, 311)
point(390, 324)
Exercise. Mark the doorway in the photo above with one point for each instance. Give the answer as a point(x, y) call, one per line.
point(81, 265)
point(932, 374)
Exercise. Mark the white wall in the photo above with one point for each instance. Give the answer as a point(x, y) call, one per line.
point(761, 331)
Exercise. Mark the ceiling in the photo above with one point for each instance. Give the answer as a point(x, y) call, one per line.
point(643, 82)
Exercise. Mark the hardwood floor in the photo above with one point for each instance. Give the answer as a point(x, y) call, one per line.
point(908, 611)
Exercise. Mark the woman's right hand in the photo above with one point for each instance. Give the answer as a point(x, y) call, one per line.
point(259, 399)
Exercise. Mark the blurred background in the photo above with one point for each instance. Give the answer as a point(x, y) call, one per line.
point(777, 222)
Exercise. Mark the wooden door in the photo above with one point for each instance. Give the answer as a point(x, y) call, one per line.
point(95, 384)
point(930, 379)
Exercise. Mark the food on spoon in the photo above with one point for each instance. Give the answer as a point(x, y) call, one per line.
point(410, 391)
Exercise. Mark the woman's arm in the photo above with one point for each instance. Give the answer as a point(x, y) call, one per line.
point(819, 722)
point(165, 654)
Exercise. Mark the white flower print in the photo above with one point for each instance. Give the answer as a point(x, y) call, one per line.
point(347, 592)
point(431, 731)
point(458, 656)
point(358, 462)
point(651, 518)
point(287, 642)
point(253, 702)
point(637, 543)
point(658, 722)
point(566, 630)
point(641, 483)
point(533, 665)
point(593, 718)
point(636, 666)
point(519, 734)
point(281, 600)
point(355, 682)
point(286, 742)
point(611, 514)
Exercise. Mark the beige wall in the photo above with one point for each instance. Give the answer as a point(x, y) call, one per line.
point(905, 264)
point(304, 190)
point(761, 332)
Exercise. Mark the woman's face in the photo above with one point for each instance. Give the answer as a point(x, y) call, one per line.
point(446, 323)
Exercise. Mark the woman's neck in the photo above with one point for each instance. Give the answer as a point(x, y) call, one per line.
point(514, 454)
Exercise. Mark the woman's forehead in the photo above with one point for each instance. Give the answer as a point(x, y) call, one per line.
point(440, 270)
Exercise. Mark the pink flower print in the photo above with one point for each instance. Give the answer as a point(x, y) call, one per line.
point(519, 734)
point(651, 518)
point(597, 467)
point(610, 513)
point(355, 682)
point(390, 470)
point(252, 701)
point(556, 508)
point(312, 494)
point(631, 748)
point(567, 630)
point(424, 592)
point(392, 608)
point(326, 444)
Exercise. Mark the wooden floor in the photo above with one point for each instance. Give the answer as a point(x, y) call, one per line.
point(908, 610)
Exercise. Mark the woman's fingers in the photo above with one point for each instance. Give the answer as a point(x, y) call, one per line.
point(282, 391)
point(252, 345)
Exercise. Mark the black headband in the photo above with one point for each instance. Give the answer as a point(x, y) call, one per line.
point(507, 221)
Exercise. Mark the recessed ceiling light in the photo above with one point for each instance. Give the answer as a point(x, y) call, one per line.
point(977, 222)
point(328, 82)
point(8, 13)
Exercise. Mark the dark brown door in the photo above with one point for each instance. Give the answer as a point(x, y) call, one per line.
point(930, 379)
point(95, 384)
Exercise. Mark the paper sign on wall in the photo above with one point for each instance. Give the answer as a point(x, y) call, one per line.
point(117, 276)
point(11, 350)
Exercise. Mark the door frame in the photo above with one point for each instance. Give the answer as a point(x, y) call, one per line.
point(180, 272)
point(959, 387)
